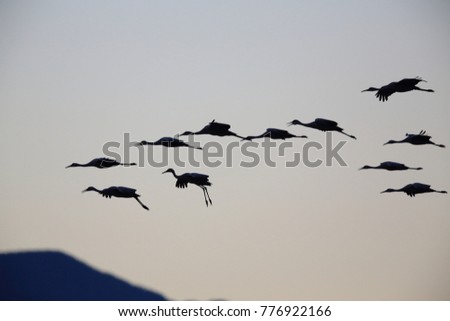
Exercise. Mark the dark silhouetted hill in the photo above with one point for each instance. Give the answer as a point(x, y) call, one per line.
point(56, 276)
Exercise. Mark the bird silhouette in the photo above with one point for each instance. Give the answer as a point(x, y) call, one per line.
point(416, 139)
point(214, 128)
point(413, 189)
point(275, 133)
point(323, 125)
point(101, 162)
point(401, 86)
point(117, 191)
point(391, 166)
point(167, 142)
point(201, 180)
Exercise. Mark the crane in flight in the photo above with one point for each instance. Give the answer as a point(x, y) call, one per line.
point(117, 191)
point(391, 166)
point(416, 139)
point(413, 189)
point(101, 162)
point(167, 142)
point(214, 128)
point(322, 124)
point(275, 133)
point(201, 180)
point(401, 86)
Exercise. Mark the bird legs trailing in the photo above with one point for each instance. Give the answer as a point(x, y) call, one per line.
point(206, 195)
point(142, 204)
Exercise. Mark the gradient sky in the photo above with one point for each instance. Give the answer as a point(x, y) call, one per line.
point(77, 74)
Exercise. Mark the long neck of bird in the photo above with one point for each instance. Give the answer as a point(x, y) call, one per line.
point(174, 174)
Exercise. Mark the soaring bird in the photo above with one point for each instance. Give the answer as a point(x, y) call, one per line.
point(401, 86)
point(413, 189)
point(168, 142)
point(323, 125)
point(201, 180)
point(275, 133)
point(214, 128)
point(101, 162)
point(391, 166)
point(117, 191)
point(416, 139)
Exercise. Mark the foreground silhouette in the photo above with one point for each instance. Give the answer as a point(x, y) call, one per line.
point(391, 166)
point(201, 180)
point(416, 139)
point(323, 125)
point(55, 276)
point(117, 191)
point(167, 142)
point(275, 133)
point(401, 86)
point(215, 129)
point(101, 162)
point(413, 189)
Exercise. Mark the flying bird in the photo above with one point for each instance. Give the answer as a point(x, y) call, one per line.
point(391, 166)
point(168, 142)
point(101, 162)
point(214, 128)
point(275, 133)
point(117, 191)
point(401, 86)
point(416, 139)
point(413, 189)
point(323, 125)
point(201, 180)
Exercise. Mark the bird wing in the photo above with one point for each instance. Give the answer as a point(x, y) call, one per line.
point(326, 122)
point(122, 191)
point(107, 162)
point(219, 126)
point(181, 183)
point(420, 186)
point(276, 131)
point(390, 164)
point(384, 92)
point(408, 83)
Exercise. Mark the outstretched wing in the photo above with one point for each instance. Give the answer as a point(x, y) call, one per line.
point(384, 92)
point(219, 126)
point(326, 122)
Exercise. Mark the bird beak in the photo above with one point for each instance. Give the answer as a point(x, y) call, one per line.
point(290, 123)
point(165, 172)
point(68, 166)
point(83, 191)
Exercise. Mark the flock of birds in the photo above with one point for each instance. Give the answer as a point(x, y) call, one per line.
point(219, 129)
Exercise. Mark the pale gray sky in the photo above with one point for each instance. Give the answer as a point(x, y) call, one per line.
point(77, 74)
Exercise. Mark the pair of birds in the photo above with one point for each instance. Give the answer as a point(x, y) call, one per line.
point(200, 180)
point(410, 189)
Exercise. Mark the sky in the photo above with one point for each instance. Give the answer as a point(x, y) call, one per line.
point(75, 75)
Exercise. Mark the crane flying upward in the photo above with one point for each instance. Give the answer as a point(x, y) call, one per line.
point(215, 129)
point(413, 189)
point(201, 180)
point(167, 142)
point(275, 133)
point(101, 162)
point(117, 191)
point(401, 86)
point(323, 125)
point(416, 139)
point(391, 166)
